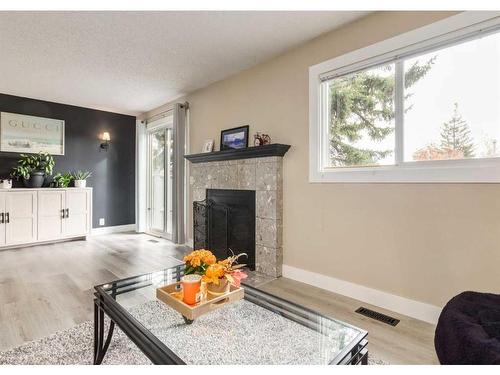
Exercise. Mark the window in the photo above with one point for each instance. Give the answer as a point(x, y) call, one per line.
point(422, 112)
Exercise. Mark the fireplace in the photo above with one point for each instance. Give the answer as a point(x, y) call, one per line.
point(225, 223)
point(255, 176)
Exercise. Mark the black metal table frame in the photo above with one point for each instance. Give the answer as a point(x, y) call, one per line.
point(105, 304)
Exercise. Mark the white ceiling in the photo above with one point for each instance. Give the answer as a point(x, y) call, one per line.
point(131, 62)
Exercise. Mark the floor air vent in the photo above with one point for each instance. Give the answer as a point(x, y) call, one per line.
point(378, 316)
point(154, 241)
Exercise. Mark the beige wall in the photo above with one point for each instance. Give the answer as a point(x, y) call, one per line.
point(421, 241)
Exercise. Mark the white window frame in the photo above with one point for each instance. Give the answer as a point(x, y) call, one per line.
point(438, 35)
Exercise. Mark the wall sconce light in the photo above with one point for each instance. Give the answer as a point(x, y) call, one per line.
point(105, 140)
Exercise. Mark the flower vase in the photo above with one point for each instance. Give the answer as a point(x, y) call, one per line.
point(218, 290)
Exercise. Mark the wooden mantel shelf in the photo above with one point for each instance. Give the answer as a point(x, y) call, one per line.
point(275, 149)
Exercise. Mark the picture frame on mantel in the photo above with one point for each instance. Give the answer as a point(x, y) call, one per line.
point(208, 146)
point(30, 134)
point(234, 138)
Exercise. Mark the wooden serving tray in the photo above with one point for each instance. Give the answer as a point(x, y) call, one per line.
point(191, 312)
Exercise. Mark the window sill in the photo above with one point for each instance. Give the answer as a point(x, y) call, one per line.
point(453, 171)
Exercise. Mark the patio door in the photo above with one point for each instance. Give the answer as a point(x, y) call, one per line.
point(159, 178)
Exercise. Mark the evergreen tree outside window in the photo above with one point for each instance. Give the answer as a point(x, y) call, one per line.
point(456, 135)
point(362, 118)
point(455, 111)
point(362, 110)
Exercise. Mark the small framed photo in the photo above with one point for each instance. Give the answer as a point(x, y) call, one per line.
point(208, 145)
point(234, 138)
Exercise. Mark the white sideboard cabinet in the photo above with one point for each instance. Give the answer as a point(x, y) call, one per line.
point(30, 216)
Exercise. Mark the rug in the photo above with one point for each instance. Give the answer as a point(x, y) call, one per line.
point(74, 346)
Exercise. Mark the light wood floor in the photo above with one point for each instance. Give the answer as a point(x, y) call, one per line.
point(48, 288)
point(410, 342)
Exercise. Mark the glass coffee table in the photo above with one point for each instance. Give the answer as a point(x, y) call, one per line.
point(260, 329)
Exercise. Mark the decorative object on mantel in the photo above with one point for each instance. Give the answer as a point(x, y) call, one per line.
point(33, 169)
point(22, 133)
point(235, 138)
point(80, 178)
point(207, 284)
point(261, 139)
point(208, 146)
point(105, 140)
point(6, 183)
point(274, 149)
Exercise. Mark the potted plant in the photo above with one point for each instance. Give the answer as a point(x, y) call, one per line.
point(198, 261)
point(33, 168)
point(219, 276)
point(62, 180)
point(80, 178)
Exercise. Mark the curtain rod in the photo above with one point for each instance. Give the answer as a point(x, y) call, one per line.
point(165, 113)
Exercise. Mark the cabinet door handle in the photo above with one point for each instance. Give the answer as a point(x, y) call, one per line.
point(7, 218)
point(62, 211)
point(2, 218)
point(67, 213)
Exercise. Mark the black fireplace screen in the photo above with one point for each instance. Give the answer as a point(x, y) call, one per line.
point(225, 223)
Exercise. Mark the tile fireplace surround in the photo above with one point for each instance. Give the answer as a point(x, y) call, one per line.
point(264, 175)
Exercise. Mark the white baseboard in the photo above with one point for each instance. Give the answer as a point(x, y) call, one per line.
point(401, 305)
point(113, 229)
point(190, 242)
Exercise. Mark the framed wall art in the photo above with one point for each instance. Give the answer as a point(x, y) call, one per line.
point(234, 138)
point(30, 134)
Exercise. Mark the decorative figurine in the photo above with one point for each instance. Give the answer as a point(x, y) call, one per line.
point(261, 139)
point(266, 139)
point(257, 139)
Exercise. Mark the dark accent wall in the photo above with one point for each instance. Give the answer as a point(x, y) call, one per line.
point(113, 171)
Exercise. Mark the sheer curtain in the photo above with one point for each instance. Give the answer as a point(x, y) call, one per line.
point(178, 200)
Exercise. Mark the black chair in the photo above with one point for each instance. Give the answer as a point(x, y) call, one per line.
point(468, 330)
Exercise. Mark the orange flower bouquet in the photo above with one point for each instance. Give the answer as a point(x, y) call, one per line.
point(220, 275)
point(198, 261)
